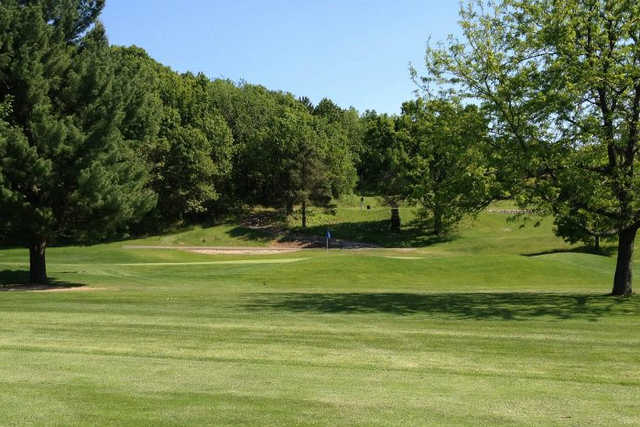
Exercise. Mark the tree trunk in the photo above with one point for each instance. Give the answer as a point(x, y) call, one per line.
point(304, 214)
point(37, 263)
point(395, 218)
point(596, 243)
point(437, 222)
point(622, 279)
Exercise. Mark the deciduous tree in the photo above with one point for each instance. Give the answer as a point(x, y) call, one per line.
point(450, 170)
point(384, 162)
point(561, 80)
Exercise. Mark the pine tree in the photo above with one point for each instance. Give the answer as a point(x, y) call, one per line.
point(65, 169)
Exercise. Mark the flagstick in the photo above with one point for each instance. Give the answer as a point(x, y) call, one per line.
point(327, 235)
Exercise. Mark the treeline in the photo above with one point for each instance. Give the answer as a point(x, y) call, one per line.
point(99, 141)
point(214, 145)
point(211, 145)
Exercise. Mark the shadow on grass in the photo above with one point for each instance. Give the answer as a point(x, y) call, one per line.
point(478, 306)
point(606, 251)
point(251, 234)
point(18, 280)
point(414, 234)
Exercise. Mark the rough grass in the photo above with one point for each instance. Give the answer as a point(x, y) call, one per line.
point(497, 326)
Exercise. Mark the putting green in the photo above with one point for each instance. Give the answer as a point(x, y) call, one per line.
point(404, 257)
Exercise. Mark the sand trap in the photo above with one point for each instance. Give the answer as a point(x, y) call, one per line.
point(404, 257)
point(225, 250)
point(243, 251)
point(239, 261)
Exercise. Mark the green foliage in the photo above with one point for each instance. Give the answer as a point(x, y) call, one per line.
point(385, 159)
point(187, 144)
point(66, 169)
point(561, 83)
point(578, 226)
point(435, 155)
point(450, 170)
point(345, 122)
point(284, 155)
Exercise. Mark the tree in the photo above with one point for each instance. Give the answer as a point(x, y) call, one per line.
point(305, 169)
point(346, 123)
point(450, 173)
point(193, 157)
point(576, 225)
point(253, 113)
point(185, 141)
point(561, 81)
point(384, 162)
point(284, 154)
point(65, 168)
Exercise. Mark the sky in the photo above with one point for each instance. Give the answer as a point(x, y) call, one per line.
point(355, 52)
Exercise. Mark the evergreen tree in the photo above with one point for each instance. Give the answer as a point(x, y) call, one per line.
point(305, 177)
point(65, 170)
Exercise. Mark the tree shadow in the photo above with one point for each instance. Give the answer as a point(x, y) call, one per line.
point(479, 306)
point(18, 280)
point(605, 251)
point(378, 233)
point(251, 234)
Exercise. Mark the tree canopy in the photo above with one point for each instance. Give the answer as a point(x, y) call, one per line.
point(96, 139)
point(561, 82)
point(451, 175)
point(66, 170)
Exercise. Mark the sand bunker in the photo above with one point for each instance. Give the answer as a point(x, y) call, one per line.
point(270, 251)
point(225, 250)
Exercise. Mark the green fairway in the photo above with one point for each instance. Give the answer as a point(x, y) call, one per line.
point(498, 325)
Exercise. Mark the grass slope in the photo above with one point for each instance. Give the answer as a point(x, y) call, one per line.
point(498, 326)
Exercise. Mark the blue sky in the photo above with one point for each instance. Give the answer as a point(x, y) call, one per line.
point(355, 52)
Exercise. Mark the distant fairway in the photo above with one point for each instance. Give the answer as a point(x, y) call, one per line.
point(500, 325)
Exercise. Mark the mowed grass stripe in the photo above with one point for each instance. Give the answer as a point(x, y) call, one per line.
point(497, 326)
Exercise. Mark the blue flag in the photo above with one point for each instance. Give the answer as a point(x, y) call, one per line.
point(328, 234)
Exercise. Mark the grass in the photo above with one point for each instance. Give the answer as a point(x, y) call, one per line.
point(497, 326)
point(227, 234)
